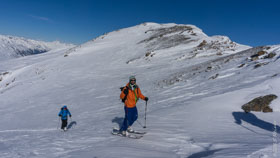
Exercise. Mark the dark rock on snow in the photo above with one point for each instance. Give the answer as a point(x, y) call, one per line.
point(260, 104)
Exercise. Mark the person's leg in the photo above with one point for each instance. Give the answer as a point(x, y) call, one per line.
point(133, 115)
point(125, 125)
point(64, 124)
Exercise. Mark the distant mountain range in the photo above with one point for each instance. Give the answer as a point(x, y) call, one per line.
point(13, 47)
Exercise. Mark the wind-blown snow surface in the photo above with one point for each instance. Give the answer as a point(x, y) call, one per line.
point(13, 47)
point(192, 111)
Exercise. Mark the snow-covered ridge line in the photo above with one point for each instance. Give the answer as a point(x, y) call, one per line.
point(12, 47)
point(151, 38)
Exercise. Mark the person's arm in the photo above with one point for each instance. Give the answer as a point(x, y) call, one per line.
point(140, 95)
point(69, 113)
point(60, 113)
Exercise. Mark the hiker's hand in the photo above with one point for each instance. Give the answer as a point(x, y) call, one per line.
point(70, 116)
point(59, 115)
point(146, 99)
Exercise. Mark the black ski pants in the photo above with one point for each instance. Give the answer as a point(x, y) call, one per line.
point(64, 124)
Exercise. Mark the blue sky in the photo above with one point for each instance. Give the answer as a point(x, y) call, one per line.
point(250, 22)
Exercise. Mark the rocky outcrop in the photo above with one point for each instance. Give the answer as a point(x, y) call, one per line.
point(260, 104)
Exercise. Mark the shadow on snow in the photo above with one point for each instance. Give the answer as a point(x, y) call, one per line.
point(204, 153)
point(71, 124)
point(118, 120)
point(253, 120)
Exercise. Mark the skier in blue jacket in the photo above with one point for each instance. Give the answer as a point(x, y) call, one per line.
point(64, 112)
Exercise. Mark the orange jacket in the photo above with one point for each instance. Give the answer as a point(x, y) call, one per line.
point(132, 97)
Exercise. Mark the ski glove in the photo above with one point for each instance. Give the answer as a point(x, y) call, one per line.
point(146, 99)
point(70, 115)
point(59, 115)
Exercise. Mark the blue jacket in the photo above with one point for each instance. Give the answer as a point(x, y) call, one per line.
point(64, 112)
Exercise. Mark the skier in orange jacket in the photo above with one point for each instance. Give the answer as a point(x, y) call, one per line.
point(130, 95)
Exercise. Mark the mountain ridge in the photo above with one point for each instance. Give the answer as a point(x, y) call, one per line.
point(14, 47)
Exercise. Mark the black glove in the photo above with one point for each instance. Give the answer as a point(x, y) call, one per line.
point(125, 91)
point(70, 115)
point(146, 99)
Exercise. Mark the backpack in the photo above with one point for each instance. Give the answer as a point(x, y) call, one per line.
point(121, 88)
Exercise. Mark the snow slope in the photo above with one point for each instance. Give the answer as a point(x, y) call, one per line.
point(13, 47)
point(192, 111)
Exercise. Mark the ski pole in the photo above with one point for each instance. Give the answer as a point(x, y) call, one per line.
point(140, 124)
point(58, 122)
point(145, 115)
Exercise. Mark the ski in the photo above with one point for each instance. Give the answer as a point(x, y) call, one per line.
point(134, 132)
point(129, 135)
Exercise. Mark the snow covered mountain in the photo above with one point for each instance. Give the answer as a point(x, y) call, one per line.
point(196, 85)
point(12, 47)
